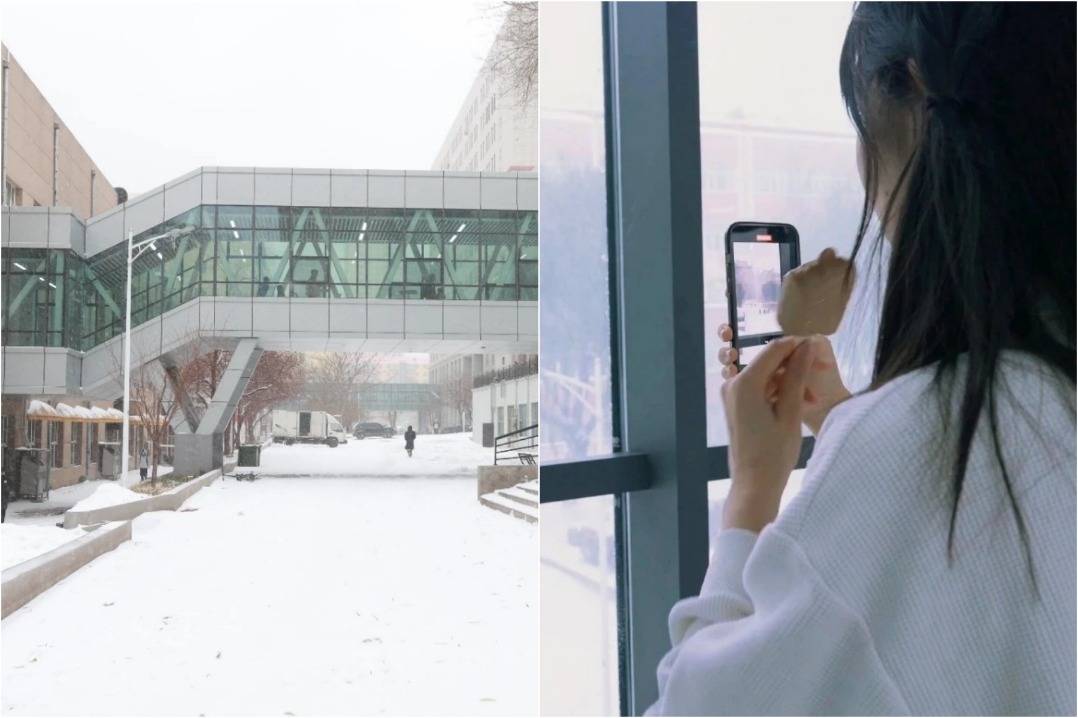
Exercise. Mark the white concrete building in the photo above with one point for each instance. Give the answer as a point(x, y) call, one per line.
point(493, 132)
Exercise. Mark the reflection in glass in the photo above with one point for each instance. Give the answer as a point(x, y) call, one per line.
point(578, 608)
point(579, 629)
point(775, 144)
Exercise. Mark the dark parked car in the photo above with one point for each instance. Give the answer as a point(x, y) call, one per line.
point(373, 428)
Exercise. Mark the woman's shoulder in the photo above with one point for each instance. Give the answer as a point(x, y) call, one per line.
point(894, 446)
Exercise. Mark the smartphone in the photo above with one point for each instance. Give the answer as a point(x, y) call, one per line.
point(758, 256)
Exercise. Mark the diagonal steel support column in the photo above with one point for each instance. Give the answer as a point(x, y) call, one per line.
point(203, 450)
point(185, 421)
point(233, 383)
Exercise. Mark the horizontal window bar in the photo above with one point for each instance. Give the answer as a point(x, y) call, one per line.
point(613, 474)
point(624, 473)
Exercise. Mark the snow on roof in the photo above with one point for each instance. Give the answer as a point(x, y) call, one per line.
point(40, 408)
point(66, 411)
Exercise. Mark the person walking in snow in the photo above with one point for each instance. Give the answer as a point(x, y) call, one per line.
point(143, 464)
point(409, 441)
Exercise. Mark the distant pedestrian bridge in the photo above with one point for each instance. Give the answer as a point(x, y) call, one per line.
point(301, 260)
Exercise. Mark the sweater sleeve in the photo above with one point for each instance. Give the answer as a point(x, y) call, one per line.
point(767, 637)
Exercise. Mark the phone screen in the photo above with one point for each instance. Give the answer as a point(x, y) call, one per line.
point(758, 279)
point(758, 255)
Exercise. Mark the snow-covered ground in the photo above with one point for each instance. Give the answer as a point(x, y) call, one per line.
point(434, 455)
point(20, 543)
point(107, 494)
point(301, 596)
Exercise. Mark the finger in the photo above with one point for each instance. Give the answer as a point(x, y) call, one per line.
point(727, 356)
point(726, 333)
point(792, 391)
point(770, 359)
point(729, 372)
point(828, 254)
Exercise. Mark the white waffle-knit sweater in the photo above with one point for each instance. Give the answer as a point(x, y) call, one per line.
point(846, 604)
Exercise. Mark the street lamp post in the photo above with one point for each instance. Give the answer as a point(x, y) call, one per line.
point(134, 251)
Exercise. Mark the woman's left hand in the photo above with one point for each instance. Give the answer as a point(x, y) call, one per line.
point(765, 430)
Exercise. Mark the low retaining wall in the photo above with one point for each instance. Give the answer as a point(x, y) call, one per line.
point(168, 501)
point(492, 478)
point(25, 581)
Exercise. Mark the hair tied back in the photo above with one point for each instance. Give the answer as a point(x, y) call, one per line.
point(948, 108)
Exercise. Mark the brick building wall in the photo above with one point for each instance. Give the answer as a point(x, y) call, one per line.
point(28, 162)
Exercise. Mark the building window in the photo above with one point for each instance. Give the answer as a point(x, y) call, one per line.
point(718, 180)
point(91, 443)
point(501, 420)
point(12, 194)
point(33, 434)
point(5, 431)
point(76, 444)
point(56, 456)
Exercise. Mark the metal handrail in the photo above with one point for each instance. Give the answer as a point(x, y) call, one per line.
point(521, 445)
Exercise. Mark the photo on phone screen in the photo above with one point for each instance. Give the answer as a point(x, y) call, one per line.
point(758, 278)
point(758, 256)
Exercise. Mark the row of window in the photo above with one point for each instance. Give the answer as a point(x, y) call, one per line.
point(352, 219)
point(55, 298)
point(513, 418)
point(70, 444)
point(779, 182)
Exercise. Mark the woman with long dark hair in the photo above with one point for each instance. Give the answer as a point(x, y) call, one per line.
point(927, 565)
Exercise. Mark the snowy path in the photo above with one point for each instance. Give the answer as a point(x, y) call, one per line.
point(445, 455)
point(305, 596)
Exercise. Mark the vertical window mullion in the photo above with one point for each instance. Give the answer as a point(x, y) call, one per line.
point(653, 140)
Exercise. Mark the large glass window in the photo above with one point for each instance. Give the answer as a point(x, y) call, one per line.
point(33, 297)
point(768, 145)
point(776, 145)
point(55, 298)
point(579, 612)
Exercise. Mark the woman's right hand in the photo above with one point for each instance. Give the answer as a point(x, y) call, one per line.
point(824, 389)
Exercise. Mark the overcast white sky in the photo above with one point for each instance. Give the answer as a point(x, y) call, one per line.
point(155, 89)
point(771, 62)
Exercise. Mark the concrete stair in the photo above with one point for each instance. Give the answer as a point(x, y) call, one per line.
point(520, 501)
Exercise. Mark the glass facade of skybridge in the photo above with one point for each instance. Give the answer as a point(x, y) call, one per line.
point(56, 298)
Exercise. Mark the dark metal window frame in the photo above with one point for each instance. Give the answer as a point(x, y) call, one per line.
point(659, 477)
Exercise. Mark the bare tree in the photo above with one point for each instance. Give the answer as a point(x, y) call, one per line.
point(153, 401)
point(334, 381)
point(457, 397)
point(515, 54)
point(279, 377)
